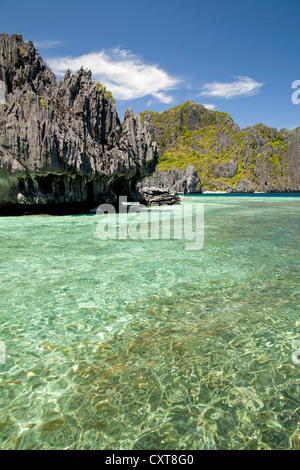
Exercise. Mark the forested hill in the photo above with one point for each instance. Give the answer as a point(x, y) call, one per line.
point(223, 154)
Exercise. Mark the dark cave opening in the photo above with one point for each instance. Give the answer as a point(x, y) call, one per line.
point(45, 183)
point(121, 187)
point(61, 188)
point(90, 192)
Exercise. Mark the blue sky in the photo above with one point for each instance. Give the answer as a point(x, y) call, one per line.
point(237, 56)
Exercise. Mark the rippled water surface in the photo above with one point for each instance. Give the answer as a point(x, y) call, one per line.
point(142, 344)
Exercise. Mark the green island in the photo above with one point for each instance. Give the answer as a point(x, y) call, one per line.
point(190, 134)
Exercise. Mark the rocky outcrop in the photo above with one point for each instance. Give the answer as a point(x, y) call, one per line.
point(228, 170)
point(222, 153)
point(157, 196)
point(293, 168)
point(244, 186)
point(181, 181)
point(63, 143)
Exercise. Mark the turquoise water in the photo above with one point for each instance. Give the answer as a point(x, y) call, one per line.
point(142, 344)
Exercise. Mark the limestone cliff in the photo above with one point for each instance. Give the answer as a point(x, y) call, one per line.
point(63, 143)
point(182, 181)
point(155, 196)
point(227, 158)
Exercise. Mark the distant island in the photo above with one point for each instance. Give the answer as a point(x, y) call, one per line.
point(226, 158)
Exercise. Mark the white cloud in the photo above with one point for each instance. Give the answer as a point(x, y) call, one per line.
point(160, 96)
point(209, 106)
point(47, 43)
point(243, 86)
point(125, 74)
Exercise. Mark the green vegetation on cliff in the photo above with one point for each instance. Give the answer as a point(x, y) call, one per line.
point(107, 93)
point(223, 154)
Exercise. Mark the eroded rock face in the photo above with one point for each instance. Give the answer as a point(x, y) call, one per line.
point(63, 143)
point(181, 181)
point(228, 170)
point(244, 186)
point(294, 157)
point(158, 196)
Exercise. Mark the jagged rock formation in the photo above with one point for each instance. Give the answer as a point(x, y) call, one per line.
point(158, 196)
point(294, 156)
point(222, 153)
point(181, 181)
point(244, 186)
point(63, 143)
point(228, 170)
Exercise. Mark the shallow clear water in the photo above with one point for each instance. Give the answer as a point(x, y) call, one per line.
point(142, 344)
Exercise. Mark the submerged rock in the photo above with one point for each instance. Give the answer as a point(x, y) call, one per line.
point(63, 143)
